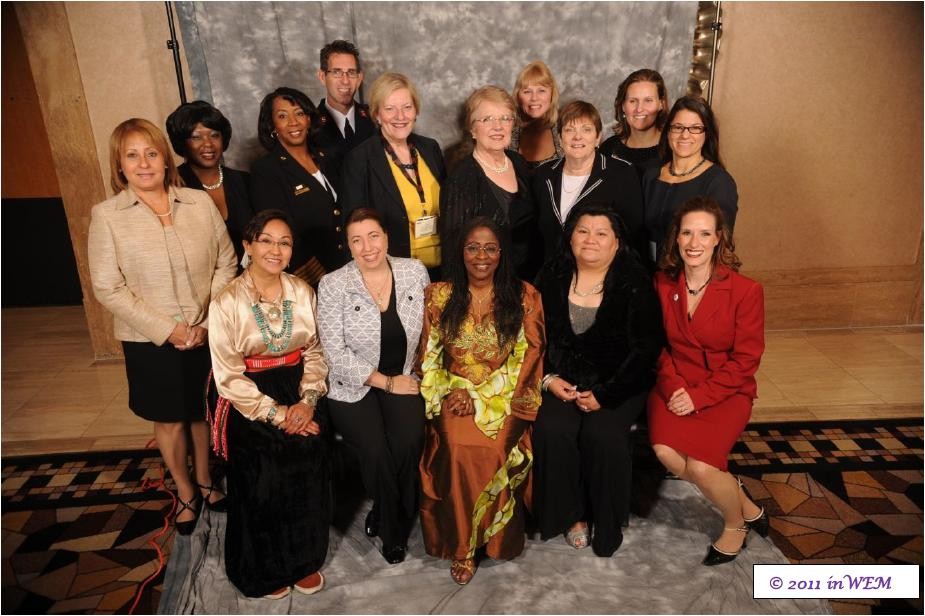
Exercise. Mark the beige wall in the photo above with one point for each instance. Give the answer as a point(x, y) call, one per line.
point(820, 110)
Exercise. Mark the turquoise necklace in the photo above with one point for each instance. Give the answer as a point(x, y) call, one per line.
point(276, 342)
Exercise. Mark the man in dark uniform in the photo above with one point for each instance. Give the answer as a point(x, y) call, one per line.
point(345, 123)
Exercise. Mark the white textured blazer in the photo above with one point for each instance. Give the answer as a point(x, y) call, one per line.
point(349, 324)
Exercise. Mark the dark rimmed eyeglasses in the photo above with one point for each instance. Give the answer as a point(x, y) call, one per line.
point(337, 73)
point(697, 129)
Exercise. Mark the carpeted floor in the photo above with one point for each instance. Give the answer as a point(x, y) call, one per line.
point(77, 531)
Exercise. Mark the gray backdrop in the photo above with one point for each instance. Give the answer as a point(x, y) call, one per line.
point(237, 52)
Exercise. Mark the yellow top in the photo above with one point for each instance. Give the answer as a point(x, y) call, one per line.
point(427, 248)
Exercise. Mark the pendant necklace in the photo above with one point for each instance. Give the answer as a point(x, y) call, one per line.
point(480, 300)
point(275, 312)
point(378, 294)
point(698, 289)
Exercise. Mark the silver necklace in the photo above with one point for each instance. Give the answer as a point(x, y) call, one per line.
point(275, 312)
point(684, 173)
point(221, 178)
point(377, 295)
point(499, 170)
point(595, 290)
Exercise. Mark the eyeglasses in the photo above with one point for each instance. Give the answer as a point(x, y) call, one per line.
point(268, 243)
point(505, 119)
point(678, 129)
point(337, 73)
point(491, 250)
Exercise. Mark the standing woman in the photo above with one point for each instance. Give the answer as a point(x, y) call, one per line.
point(158, 253)
point(605, 336)
point(536, 136)
point(270, 372)
point(481, 360)
point(200, 133)
point(492, 181)
point(301, 180)
point(702, 400)
point(370, 313)
point(691, 168)
point(640, 109)
point(585, 175)
point(398, 173)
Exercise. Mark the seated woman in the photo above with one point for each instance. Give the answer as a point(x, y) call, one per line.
point(585, 175)
point(692, 167)
point(270, 373)
point(201, 134)
point(481, 360)
point(714, 321)
point(157, 253)
point(369, 314)
point(641, 108)
point(604, 335)
point(535, 136)
point(492, 181)
point(398, 173)
point(301, 180)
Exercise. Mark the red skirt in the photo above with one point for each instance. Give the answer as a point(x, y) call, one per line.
point(707, 435)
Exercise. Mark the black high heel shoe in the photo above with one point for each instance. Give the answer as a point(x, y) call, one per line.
point(715, 556)
point(761, 523)
point(393, 554)
point(194, 505)
point(219, 506)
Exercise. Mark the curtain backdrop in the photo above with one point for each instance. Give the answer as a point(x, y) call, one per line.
point(237, 52)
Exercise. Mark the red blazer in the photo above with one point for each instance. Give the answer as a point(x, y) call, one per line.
point(716, 354)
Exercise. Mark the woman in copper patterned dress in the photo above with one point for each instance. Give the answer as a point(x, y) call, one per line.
point(481, 361)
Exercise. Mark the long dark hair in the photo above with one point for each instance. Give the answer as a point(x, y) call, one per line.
point(724, 253)
point(625, 262)
point(508, 289)
point(698, 105)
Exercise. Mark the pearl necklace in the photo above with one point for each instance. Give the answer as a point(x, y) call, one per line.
point(221, 178)
point(499, 170)
point(680, 174)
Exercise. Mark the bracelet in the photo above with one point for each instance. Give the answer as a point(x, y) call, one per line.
point(388, 384)
point(310, 397)
point(547, 379)
point(271, 414)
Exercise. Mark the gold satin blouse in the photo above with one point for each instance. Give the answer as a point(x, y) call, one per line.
point(234, 335)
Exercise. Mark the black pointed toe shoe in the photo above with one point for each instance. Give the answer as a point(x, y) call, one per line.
point(393, 554)
point(761, 523)
point(715, 556)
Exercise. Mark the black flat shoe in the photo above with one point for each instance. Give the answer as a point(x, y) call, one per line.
point(393, 554)
point(761, 523)
point(221, 505)
point(194, 505)
point(715, 556)
point(371, 526)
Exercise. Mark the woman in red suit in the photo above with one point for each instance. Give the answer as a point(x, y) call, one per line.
point(714, 322)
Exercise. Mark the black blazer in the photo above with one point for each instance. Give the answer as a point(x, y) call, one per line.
point(368, 182)
point(237, 198)
point(278, 181)
point(612, 182)
point(616, 357)
point(329, 137)
point(468, 193)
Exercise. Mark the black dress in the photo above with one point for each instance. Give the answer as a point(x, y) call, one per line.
point(468, 193)
point(237, 198)
point(582, 466)
point(295, 494)
point(663, 199)
point(279, 182)
point(642, 159)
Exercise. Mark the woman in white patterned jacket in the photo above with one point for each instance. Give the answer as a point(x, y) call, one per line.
point(370, 314)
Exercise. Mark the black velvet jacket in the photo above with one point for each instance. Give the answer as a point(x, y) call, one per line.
point(240, 212)
point(615, 358)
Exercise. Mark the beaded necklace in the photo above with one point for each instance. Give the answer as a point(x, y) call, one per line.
point(276, 342)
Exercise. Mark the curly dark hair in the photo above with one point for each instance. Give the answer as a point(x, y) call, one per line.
point(724, 253)
point(698, 105)
point(508, 288)
point(183, 120)
point(265, 117)
point(256, 225)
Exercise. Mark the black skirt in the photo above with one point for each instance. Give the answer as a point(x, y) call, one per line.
point(165, 384)
point(279, 494)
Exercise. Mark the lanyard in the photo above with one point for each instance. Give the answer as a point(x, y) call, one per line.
point(403, 167)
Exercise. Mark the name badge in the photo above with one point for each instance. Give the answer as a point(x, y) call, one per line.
point(425, 226)
point(301, 189)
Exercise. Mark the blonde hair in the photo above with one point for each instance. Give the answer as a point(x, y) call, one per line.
point(537, 73)
point(488, 94)
point(385, 85)
point(153, 135)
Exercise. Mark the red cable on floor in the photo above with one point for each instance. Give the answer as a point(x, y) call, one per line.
point(158, 484)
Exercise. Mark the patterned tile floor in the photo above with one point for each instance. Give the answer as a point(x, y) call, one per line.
point(78, 528)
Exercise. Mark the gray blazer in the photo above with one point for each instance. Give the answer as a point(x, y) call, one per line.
point(350, 327)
